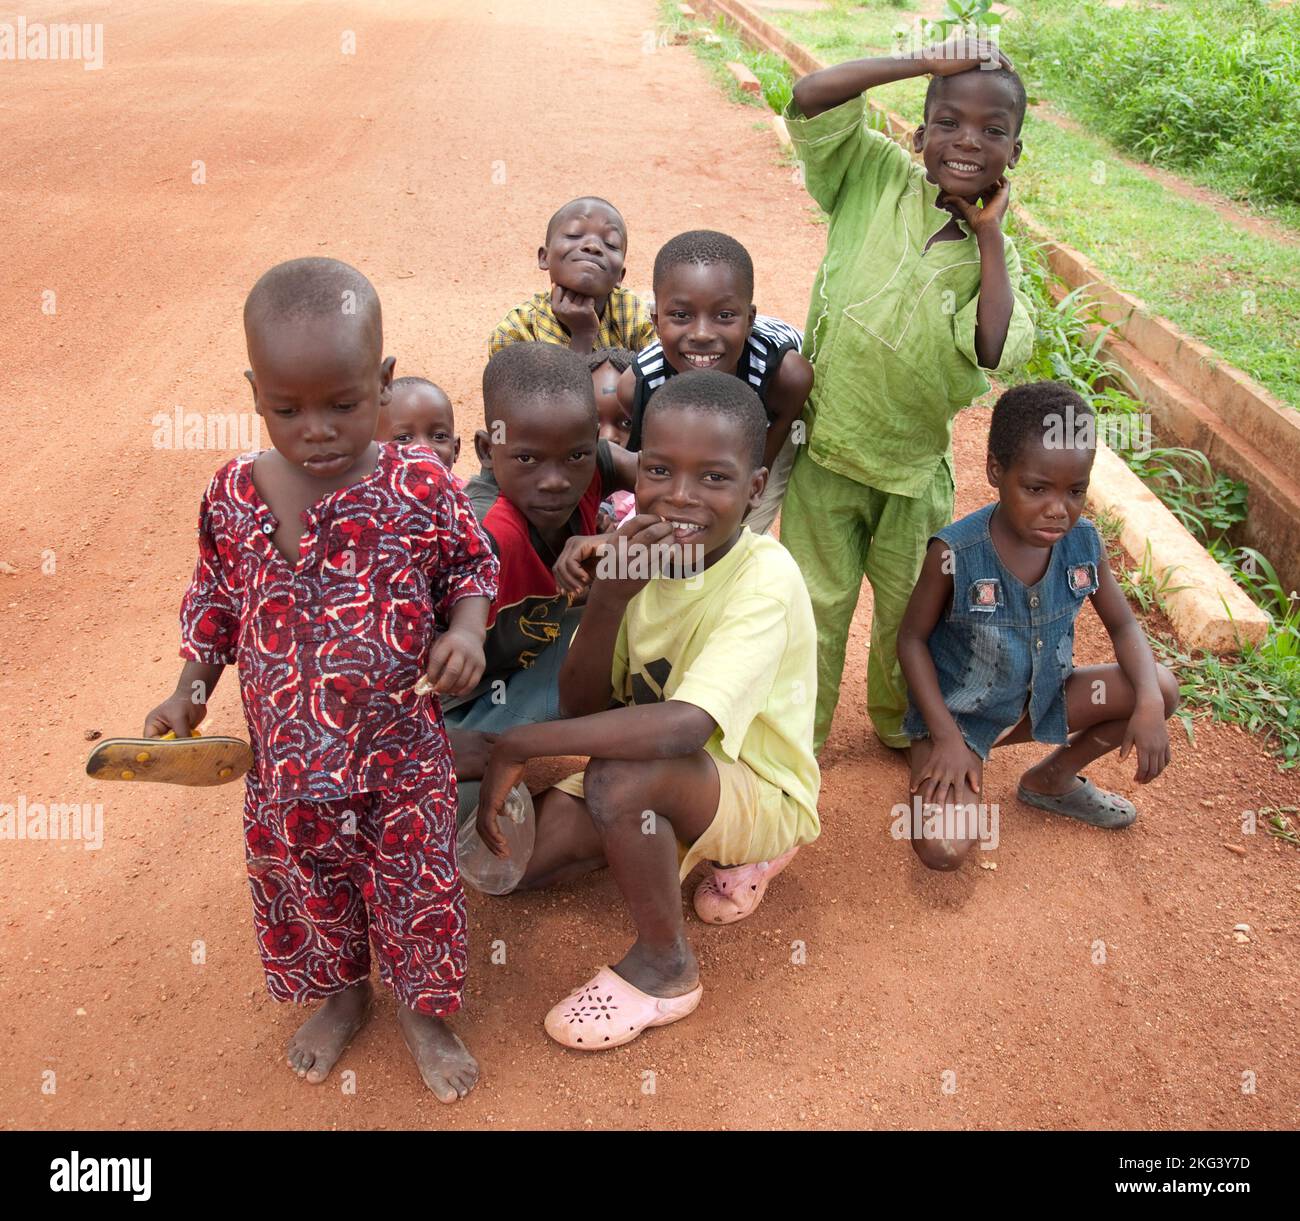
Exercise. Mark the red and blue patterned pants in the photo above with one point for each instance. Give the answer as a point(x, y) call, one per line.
point(327, 876)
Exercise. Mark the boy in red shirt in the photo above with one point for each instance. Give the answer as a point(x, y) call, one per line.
point(545, 473)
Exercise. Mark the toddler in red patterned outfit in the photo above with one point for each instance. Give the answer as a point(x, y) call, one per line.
point(324, 565)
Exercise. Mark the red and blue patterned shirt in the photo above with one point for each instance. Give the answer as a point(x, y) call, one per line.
point(329, 650)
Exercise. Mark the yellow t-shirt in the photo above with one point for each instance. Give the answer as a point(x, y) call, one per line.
point(738, 641)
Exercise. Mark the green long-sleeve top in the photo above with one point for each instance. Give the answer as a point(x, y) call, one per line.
point(891, 325)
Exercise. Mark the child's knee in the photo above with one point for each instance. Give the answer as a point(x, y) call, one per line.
point(942, 854)
point(609, 786)
point(1168, 688)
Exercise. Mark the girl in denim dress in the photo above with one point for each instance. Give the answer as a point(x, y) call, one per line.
point(987, 642)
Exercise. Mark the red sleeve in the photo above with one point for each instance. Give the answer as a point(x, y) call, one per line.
point(210, 610)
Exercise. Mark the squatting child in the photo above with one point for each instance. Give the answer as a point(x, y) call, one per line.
point(917, 297)
point(987, 641)
point(323, 565)
point(709, 758)
point(545, 473)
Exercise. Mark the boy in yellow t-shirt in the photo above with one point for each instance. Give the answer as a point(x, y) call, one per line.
point(710, 756)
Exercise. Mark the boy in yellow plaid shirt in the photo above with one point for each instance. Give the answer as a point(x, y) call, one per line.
point(586, 308)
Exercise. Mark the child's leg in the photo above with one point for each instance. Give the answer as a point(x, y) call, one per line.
point(311, 922)
point(640, 810)
point(526, 697)
point(567, 844)
point(1098, 703)
point(822, 527)
point(948, 847)
point(901, 528)
point(406, 853)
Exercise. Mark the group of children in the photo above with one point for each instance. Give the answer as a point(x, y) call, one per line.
point(605, 586)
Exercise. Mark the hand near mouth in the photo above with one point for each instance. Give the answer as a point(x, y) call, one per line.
point(578, 313)
point(576, 567)
point(988, 217)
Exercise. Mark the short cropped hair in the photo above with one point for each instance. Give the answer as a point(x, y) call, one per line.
point(1027, 414)
point(705, 247)
point(584, 199)
point(712, 392)
point(531, 372)
point(315, 288)
point(620, 358)
point(412, 380)
point(1008, 75)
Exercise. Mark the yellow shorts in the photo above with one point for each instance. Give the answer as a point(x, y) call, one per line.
point(755, 820)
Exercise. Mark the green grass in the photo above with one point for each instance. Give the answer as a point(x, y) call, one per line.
point(773, 73)
point(1259, 690)
point(1209, 88)
point(1237, 292)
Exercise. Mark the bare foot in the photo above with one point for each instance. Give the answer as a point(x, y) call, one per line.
point(443, 1060)
point(674, 972)
point(320, 1040)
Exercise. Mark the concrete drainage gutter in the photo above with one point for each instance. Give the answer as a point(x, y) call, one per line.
point(1177, 379)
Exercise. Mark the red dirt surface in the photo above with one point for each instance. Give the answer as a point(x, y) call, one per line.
point(393, 159)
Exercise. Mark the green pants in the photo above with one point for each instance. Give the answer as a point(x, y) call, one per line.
point(838, 530)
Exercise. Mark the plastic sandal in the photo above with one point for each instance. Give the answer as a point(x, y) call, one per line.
point(607, 1011)
point(1087, 803)
point(732, 894)
point(194, 761)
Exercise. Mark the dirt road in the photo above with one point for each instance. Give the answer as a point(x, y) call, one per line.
point(146, 197)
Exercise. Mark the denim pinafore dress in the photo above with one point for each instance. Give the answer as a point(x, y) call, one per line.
point(1003, 645)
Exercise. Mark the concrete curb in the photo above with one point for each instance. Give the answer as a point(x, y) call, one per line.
point(1212, 613)
point(1200, 401)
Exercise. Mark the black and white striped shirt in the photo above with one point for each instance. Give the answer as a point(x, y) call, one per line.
point(769, 340)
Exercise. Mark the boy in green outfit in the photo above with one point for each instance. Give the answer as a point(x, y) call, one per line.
point(917, 298)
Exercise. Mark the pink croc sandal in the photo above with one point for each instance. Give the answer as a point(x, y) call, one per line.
point(607, 1011)
point(732, 894)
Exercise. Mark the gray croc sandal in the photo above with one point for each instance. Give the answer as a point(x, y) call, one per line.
point(1087, 803)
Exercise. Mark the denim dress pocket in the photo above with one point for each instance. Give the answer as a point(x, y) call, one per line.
point(989, 666)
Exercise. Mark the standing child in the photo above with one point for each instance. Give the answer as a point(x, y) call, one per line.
point(705, 318)
point(585, 307)
point(916, 299)
point(323, 563)
point(986, 644)
point(709, 758)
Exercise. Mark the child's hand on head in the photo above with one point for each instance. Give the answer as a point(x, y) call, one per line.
point(177, 714)
point(456, 662)
point(950, 763)
point(1148, 732)
point(961, 54)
